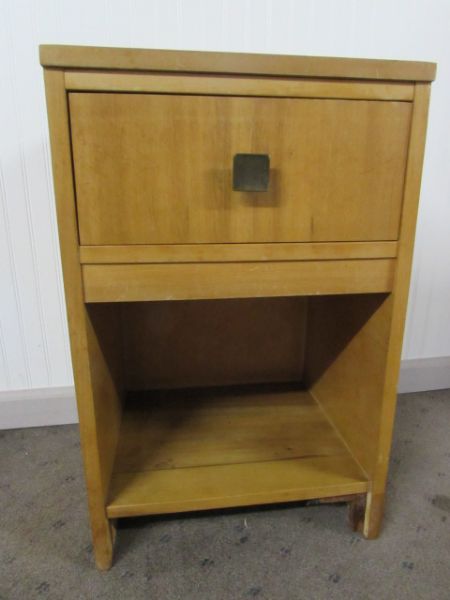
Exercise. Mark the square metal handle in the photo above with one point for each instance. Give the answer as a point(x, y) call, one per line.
point(251, 172)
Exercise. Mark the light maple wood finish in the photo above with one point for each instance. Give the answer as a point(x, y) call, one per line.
point(217, 342)
point(163, 168)
point(200, 488)
point(174, 429)
point(179, 253)
point(84, 57)
point(373, 516)
point(345, 373)
point(234, 86)
point(307, 284)
point(217, 448)
point(354, 377)
point(192, 281)
point(96, 390)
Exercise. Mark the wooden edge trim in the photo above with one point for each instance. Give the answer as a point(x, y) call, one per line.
point(86, 57)
point(181, 253)
point(119, 507)
point(402, 277)
point(97, 474)
point(129, 283)
point(229, 86)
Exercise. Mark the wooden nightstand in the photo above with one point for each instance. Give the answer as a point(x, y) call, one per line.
point(236, 237)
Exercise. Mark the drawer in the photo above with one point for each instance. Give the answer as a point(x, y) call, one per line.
point(158, 168)
point(196, 281)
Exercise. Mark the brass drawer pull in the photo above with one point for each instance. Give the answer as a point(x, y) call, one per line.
point(251, 172)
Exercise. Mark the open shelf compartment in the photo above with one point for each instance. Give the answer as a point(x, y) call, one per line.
point(183, 450)
point(221, 403)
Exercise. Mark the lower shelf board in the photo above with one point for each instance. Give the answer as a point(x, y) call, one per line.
point(200, 449)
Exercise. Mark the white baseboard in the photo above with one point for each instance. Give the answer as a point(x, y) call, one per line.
point(57, 406)
point(423, 374)
point(34, 408)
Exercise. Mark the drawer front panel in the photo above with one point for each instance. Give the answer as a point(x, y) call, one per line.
point(157, 169)
point(193, 281)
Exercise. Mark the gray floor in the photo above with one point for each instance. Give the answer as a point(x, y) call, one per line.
point(292, 552)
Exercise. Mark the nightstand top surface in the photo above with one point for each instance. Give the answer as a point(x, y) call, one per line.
point(134, 59)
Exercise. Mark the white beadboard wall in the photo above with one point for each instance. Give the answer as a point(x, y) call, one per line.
point(34, 351)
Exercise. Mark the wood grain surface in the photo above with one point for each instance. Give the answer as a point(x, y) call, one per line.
point(158, 168)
